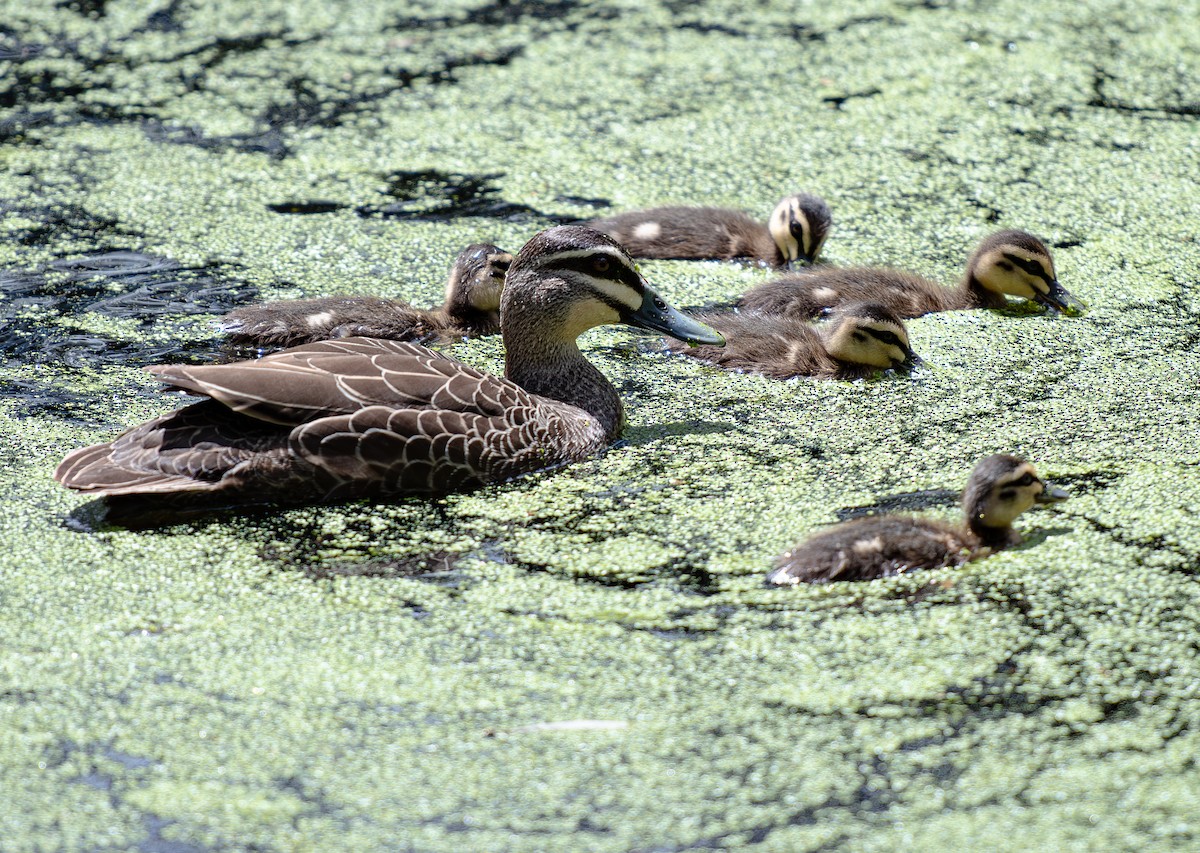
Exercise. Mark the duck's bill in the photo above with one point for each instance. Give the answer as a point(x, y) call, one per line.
point(1059, 298)
point(911, 360)
point(657, 316)
point(1052, 495)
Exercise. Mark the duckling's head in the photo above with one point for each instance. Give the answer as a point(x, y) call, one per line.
point(477, 279)
point(569, 279)
point(868, 333)
point(799, 226)
point(1000, 488)
point(1015, 263)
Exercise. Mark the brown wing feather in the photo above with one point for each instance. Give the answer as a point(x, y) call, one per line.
point(329, 377)
point(442, 426)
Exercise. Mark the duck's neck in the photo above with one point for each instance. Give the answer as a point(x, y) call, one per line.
point(978, 296)
point(994, 537)
point(559, 371)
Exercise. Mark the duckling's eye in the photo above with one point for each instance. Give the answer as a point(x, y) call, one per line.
point(859, 336)
point(601, 264)
point(889, 338)
point(1006, 266)
point(1027, 480)
point(797, 231)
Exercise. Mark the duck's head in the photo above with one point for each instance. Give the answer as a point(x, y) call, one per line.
point(1015, 263)
point(868, 333)
point(799, 227)
point(569, 279)
point(477, 279)
point(1000, 488)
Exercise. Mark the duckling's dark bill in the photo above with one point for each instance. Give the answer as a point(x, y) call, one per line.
point(1059, 298)
point(1052, 495)
point(657, 316)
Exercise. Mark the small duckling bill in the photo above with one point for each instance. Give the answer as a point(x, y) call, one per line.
point(796, 231)
point(1007, 263)
point(1000, 488)
point(858, 341)
point(472, 308)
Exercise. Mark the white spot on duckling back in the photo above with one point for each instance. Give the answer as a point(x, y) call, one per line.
point(825, 294)
point(869, 546)
point(316, 321)
point(647, 231)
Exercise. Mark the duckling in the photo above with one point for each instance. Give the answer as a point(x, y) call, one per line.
point(364, 417)
point(1011, 263)
point(472, 307)
point(796, 231)
point(859, 340)
point(1000, 488)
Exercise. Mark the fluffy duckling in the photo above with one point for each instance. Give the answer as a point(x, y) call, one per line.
point(796, 231)
point(472, 307)
point(861, 339)
point(362, 417)
point(1000, 488)
point(1007, 263)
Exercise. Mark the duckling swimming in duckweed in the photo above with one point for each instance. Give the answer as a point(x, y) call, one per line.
point(1000, 488)
point(362, 417)
point(472, 308)
point(795, 232)
point(1007, 263)
point(858, 341)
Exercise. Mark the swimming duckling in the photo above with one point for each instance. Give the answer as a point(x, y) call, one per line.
point(859, 340)
point(1000, 488)
point(472, 307)
point(363, 417)
point(796, 231)
point(1007, 263)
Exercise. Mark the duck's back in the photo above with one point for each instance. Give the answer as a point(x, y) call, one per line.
point(810, 293)
point(874, 547)
point(331, 421)
point(690, 233)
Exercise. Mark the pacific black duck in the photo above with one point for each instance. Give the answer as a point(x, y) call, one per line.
point(1000, 488)
point(472, 307)
point(360, 417)
point(796, 231)
point(859, 340)
point(1007, 263)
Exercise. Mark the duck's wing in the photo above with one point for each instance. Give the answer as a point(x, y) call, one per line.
point(304, 383)
point(335, 420)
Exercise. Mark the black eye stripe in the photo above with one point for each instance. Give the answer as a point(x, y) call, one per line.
point(617, 271)
point(887, 337)
point(1031, 267)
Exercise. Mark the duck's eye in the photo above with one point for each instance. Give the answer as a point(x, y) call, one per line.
point(859, 336)
point(797, 231)
point(1027, 480)
point(601, 264)
point(890, 338)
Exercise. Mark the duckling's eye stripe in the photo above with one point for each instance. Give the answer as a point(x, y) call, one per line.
point(1031, 267)
point(886, 337)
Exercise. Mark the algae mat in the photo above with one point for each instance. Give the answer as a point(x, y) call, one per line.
point(589, 660)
